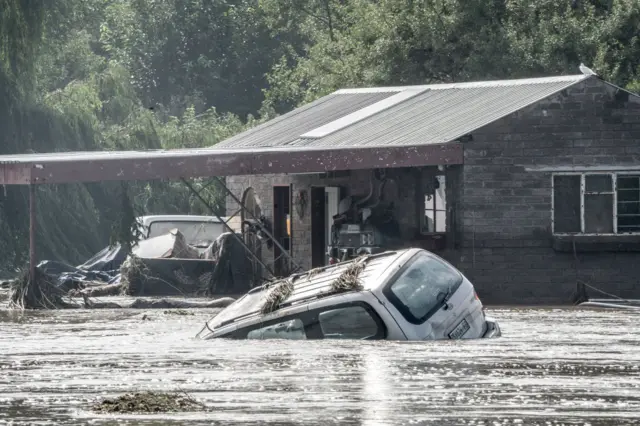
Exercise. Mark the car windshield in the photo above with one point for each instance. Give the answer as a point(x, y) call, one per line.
point(247, 304)
point(423, 287)
point(193, 231)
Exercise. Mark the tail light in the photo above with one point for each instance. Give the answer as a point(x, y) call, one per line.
point(333, 261)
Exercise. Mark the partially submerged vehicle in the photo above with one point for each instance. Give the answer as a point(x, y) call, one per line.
point(197, 230)
point(409, 294)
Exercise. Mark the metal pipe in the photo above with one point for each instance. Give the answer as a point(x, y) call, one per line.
point(32, 232)
point(240, 240)
point(297, 267)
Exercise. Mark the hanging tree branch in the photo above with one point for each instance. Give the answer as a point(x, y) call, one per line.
point(126, 230)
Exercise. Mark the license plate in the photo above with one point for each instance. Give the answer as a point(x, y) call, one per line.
point(460, 330)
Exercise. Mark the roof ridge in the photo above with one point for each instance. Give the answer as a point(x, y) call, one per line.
point(466, 85)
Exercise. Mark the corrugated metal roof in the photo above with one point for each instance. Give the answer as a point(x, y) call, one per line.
point(287, 128)
point(439, 113)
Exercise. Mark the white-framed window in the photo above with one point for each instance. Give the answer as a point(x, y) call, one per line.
point(435, 207)
point(595, 203)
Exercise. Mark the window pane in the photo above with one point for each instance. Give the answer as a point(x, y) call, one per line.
point(628, 224)
point(441, 221)
point(433, 202)
point(423, 286)
point(598, 213)
point(441, 194)
point(429, 222)
point(428, 202)
point(628, 203)
point(293, 329)
point(598, 183)
point(353, 322)
point(627, 182)
point(566, 200)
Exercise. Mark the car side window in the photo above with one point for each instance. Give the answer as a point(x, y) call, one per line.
point(292, 329)
point(349, 322)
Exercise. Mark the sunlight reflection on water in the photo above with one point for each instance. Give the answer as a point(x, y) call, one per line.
point(552, 366)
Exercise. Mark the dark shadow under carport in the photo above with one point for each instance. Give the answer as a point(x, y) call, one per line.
point(97, 166)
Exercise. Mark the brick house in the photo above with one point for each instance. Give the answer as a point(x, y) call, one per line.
point(546, 192)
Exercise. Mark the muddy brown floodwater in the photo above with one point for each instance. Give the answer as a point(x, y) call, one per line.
point(551, 367)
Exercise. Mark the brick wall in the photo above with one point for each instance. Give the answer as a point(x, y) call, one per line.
point(300, 228)
point(505, 211)
point(502, 213)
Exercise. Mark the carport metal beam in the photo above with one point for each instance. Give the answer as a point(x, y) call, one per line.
point(97, 166)
point(175, 164)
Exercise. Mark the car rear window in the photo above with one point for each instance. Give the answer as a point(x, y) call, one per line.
point(421, 288)
point(193, 231)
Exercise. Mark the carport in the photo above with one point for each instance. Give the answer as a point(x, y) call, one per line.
point(97, 166)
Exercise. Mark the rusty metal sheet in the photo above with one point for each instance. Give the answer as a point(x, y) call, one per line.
point(15, 174)
point(156, 165)
point(325, 160)
point(153, 167)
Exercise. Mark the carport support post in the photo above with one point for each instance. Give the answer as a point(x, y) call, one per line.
point(32, 232)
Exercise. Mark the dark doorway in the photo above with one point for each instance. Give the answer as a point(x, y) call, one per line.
point(281, 228)
point(318, 225)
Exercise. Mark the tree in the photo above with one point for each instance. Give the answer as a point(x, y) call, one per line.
point(203, 52)
point(389, 42)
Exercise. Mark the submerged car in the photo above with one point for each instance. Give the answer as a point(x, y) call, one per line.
point(409, 294)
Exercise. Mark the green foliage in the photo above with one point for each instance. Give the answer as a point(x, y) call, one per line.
point(20, 29)
point(199, 52)
point(75, 93)
point(126, 231)
point(390, 42)
point(164, 74)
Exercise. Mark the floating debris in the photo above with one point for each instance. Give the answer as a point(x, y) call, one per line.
point(36, 293)
point(98, 290)
point(315, 271)
point(177, 312)
point(278, 294)
point(349, 279)
point(134, 273)
point(149, 402)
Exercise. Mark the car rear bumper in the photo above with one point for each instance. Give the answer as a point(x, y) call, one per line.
point(493, 329)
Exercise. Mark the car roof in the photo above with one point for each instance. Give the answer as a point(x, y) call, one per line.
point(312, 285)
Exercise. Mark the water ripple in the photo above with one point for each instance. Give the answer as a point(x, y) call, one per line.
point(551, 367)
